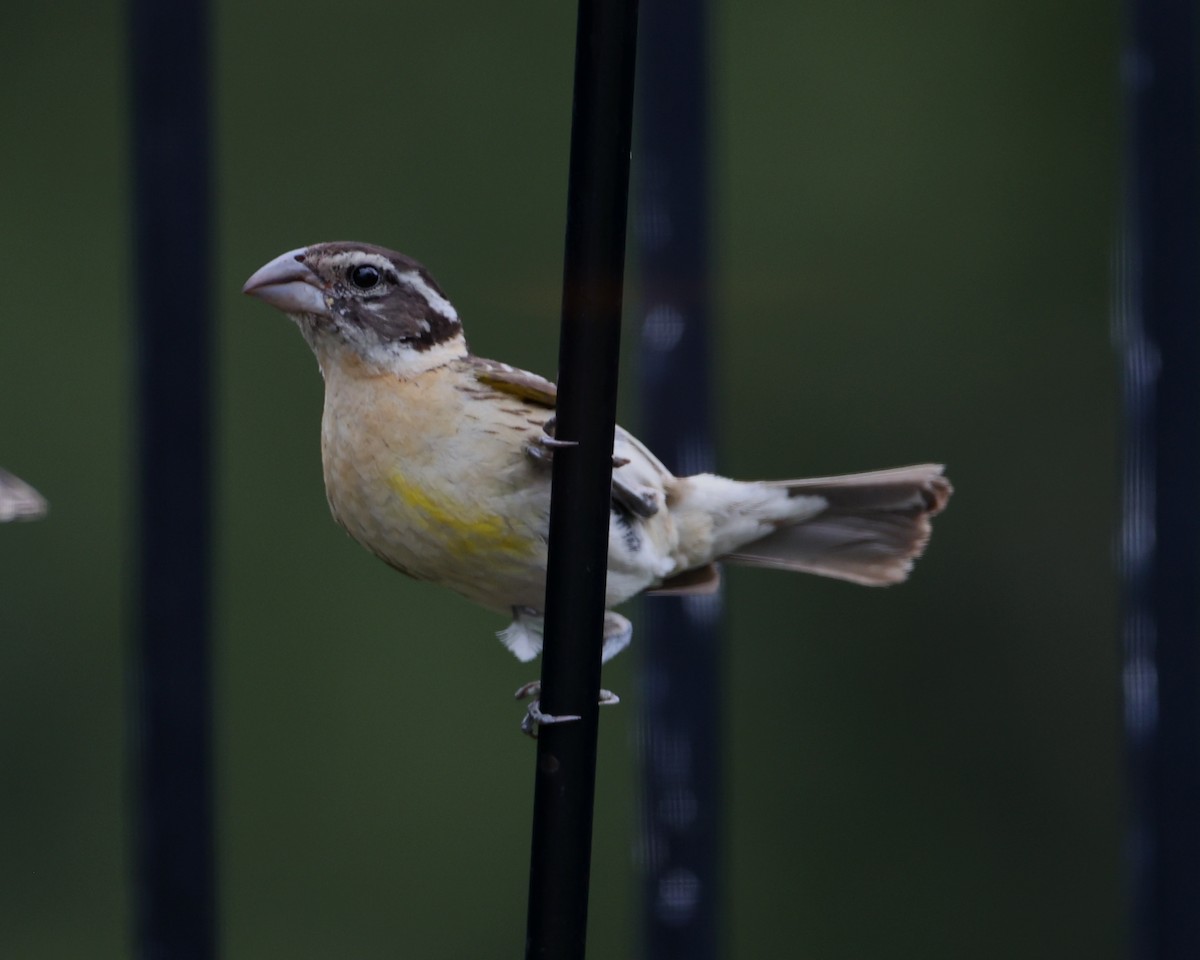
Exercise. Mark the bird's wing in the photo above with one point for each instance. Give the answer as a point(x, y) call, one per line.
point(18, 500)
point(518, 383)
point(638, 475)
point(627, 446)
point(535, 389)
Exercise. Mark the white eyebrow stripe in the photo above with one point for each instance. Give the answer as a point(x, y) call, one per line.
point(435, 300)
point(432, 297)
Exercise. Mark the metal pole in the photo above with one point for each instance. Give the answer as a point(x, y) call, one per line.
point(171, 729)
point(1160, 328)
point(679, 729)
point(593, 273)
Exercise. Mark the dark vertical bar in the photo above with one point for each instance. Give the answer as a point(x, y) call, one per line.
point(593, 274)
point(172, 749)
point(679, 730)
point(1160, 323)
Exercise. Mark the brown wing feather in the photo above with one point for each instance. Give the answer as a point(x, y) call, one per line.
point(517, 383)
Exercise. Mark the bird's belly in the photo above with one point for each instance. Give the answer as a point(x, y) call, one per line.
point(479, 537)
point(482, 532)
point(494, 559)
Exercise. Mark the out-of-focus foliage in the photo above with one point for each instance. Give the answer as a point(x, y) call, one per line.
point(915, 207)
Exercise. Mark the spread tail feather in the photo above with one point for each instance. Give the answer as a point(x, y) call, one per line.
point(873, 527)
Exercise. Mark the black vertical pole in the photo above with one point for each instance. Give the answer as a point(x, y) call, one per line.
point(593, 274)
point(679, 731)
point(172, 751)
point(1160, 324)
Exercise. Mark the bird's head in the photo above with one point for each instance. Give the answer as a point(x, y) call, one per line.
point(381, 306)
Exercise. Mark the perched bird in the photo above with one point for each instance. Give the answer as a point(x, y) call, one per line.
point(18, 500)
point(437, 461)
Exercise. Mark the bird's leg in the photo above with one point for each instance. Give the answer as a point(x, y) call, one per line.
point(618, 631)
point(534, 717)
point(541, 448)
point(524, 638)
point(641, 502)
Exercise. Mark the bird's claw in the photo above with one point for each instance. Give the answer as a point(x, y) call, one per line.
point(542, 447)
point(553, 444)
point(534, 717)
point(642, 502)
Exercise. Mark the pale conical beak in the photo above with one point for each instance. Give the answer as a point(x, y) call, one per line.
point(288, 284)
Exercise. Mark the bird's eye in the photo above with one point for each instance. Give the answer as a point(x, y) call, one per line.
point(364, 276)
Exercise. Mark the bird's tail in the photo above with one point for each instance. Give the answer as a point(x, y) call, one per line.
point(867, 528)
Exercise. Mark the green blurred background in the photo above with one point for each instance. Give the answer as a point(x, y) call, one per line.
point(915, 206)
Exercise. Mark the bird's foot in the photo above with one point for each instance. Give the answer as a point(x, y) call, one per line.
point(541, 448)
point(641, 502)
point(534, 717)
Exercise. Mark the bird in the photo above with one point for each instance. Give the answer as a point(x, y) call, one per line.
point(18, 500)
point(437, 461)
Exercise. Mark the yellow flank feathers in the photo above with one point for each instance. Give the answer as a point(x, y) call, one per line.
point(463, 531)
